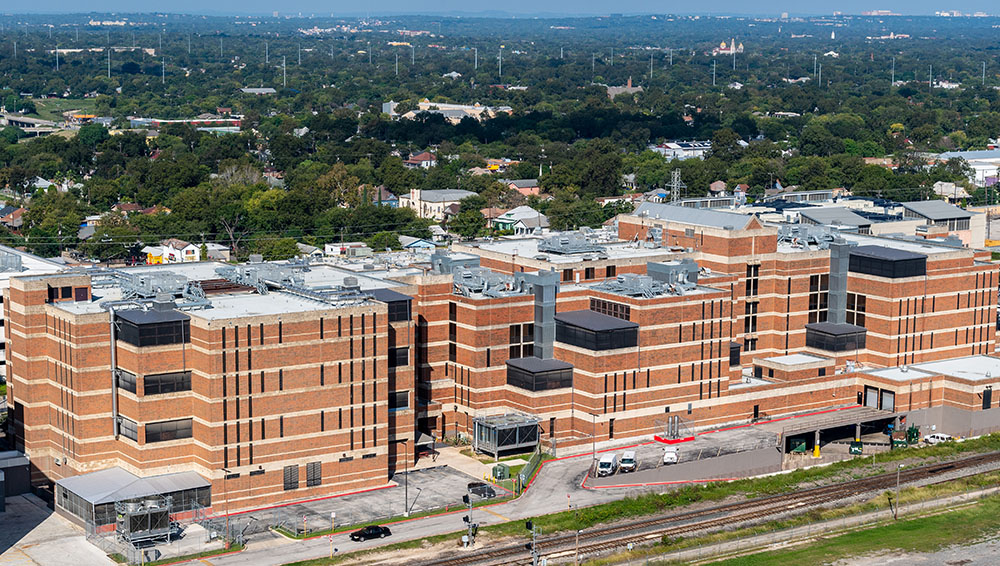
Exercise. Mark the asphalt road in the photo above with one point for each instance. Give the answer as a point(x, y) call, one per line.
point(547, 494)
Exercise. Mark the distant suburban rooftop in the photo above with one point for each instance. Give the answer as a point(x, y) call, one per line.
point(698, 217)
point(968, 155)
point(936, 210)
point(444, 195)
point(973, 368)
point(528, 247)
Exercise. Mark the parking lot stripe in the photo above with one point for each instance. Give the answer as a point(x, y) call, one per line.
point(492, 512)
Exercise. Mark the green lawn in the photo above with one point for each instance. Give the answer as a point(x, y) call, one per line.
point(926, 534)
point(52, 108)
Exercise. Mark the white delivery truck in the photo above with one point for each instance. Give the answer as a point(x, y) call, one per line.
point(608, 465)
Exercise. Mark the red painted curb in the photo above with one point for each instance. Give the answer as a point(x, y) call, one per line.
point(204, 557)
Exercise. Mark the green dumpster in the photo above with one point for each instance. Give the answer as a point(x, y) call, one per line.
point(501, 472)
point(857, 447)
point(798, 445)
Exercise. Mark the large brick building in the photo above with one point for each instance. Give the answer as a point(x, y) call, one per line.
point(280, 382)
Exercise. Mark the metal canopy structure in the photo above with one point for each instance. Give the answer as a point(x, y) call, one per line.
point(504, 433)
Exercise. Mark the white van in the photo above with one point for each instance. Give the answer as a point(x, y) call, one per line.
point(629, 462)
point(608, 465)
point(936, 438)
point(670, 455)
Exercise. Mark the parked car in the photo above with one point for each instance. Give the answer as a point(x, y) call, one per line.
point(370, 532)
point(629, 463)
point(481, 489)
point(670, 455)
point(937, 437)
point(608, 465)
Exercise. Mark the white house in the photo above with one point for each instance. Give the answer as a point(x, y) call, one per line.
point(432, 204)
point(521, 220)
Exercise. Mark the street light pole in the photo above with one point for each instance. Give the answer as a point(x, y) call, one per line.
point(593, 438)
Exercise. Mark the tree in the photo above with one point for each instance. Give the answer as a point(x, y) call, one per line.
point(384, 241)
point(340, 185)
point(468, 223)
point(91, 135)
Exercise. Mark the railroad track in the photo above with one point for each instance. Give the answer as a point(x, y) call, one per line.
point(602, 539)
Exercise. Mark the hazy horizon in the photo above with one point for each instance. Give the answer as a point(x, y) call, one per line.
point(523, 8)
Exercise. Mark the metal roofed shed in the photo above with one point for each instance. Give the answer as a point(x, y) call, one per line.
point(595, 331)
point(883, 261)
point(507, 433)
point(536, 374)
point(90, 498)
point(936, 210)
point(834, 216)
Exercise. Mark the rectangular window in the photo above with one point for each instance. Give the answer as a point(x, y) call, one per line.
point(168, 430)
point(588, 273)
point(399, 400)
point(291, 476)
point(399, 311)
point(128, 428)
point(610, 271)
point(157, 384)
point(399, 357)
point(314, 474)
point(126, 381)
point(611, 308)
point(567, 275)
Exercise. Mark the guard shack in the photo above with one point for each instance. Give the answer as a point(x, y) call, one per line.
point(504, 434)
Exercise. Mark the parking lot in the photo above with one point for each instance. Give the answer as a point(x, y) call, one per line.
point(430, 488)
point(720, 454)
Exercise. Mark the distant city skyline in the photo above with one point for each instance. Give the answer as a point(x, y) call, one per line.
point(548, 8)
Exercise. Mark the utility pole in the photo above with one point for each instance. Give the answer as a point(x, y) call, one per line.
point(397, 64)
point(820, 81)
point(671, 50)
point(984, 73)
point(284, 74)
point(476, 51)
point(612, 56)
point(593, 57)
point(560, 52)
point(892, 80)
point(300, 54)
point(501, 60)
point(930, 78)
point(15, 50)
point(651, 67)
point(57, 56)
point(220, 48)
point(895, 507)
point(163, 71)
point(413, 55)
point(189, 44)
point(713, 72)
point(369, 53)
point(815, 59)
point(109, 62)
point(267, 54)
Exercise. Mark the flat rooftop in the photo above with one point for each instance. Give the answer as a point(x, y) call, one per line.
point(795, 359)
point(972, 368)
point(528, 247)
point(898, 373)
point(903, 245)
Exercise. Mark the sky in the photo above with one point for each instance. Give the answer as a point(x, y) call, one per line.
point(518, 7)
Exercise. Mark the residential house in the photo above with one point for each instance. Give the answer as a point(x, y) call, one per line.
point(683, 149)
point(347, 249)
point(717, 188)
point(412, 243)
point(172, 250)
point(218, 252)
point(950, 191)
point(380, 196)
point(432, 203)
point(526, 187)
point(521, 220)
point(423, 160)
point(13, 219)
point(305, 250)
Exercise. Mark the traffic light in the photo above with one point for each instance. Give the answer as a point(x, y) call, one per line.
point(527, 547)
point(465, 499)
point(528, 525)
point(465, 519)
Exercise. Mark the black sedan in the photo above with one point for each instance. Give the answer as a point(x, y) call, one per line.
point(369, 532)
point(482, 490)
